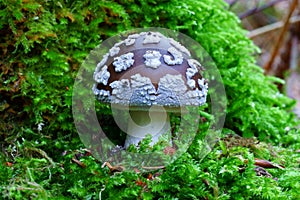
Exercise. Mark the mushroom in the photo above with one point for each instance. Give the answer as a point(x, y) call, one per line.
point(153, 75)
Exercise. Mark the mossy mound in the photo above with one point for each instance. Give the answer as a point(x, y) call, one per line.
point(42, 45)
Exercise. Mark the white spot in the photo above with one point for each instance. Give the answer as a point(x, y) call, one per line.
point(123, 62)
point(178, 46)
point(191, 83)
point(134, 36)
point(123, 83)
point(195, 64)
point(138, 91)
point(152, 38)
point(173, 82)
point(194, 97)
point(102, 95)
point(129, 41)
point(102, 76)
point(138, 81)
point(95, 90)
point(102, 62)
point(203, 86)
point(143, 90)
point(121, 91)
point(152, 59)
point(177, 57)
point(190, 72)
point(114, 51)
point(118, 44)
point(172, 91)
point(201, 82)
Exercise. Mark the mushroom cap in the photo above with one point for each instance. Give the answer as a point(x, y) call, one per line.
point(149, 69)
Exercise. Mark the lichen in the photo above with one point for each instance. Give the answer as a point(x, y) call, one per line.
point(152, 59)
point(123, 62)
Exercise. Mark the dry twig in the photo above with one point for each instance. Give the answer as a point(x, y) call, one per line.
point(78, 162)
point(277, 46)
point(154, 168)
point(259, 9)
point(271, 27)
point(112, 169)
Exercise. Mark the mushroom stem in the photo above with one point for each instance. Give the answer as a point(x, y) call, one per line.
point(155, 122)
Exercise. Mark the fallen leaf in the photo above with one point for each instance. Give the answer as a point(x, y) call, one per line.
point(267, 164)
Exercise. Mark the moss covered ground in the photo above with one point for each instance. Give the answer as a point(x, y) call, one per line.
point(43, 44)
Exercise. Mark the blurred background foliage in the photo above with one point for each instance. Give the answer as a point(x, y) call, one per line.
point(42, 45)
point(274, 26)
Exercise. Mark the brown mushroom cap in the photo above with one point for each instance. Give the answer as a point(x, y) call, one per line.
point(149, 69)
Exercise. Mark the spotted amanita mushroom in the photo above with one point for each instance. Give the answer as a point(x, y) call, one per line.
point(149, 70)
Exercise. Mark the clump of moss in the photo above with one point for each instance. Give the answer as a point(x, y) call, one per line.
point(42, 45)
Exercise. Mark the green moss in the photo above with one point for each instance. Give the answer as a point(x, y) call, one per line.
point(42, 45)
